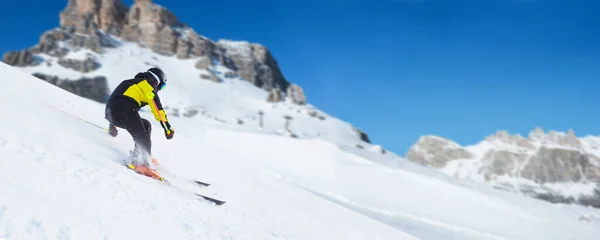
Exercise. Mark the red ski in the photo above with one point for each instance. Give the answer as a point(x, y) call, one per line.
point(149, 172)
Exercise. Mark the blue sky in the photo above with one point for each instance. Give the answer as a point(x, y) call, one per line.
point(399, 69)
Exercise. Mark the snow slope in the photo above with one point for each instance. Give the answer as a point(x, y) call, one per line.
point(61, 179)
point(219, 103)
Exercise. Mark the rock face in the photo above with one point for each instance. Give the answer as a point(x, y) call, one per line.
point(560, 165)
point(83, 66)
point(19, 59)
point(542, 158)
point(296, 94)
point(255, 64)
point(362, 135)
point(92, 88)
point(436, 151)
point(153, 26)
point(568, 140)
point(230, 74)
point(503, 137)
point(49, 43)
point(210, 77)
point(55, 42)
point(501, 162)
point(275, 96)
point(85, 16)
point(203, 63)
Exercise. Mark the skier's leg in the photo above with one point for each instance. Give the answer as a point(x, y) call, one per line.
point(138, 131)
point(141, 133)
point(147, 140)
point(148, 128)
point(118, 118)
point(132, 122)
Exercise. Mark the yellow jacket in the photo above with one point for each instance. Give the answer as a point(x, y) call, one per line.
point(140, 91)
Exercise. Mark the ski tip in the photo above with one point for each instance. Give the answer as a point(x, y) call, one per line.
point(202, 183)
point(218, 203)
point(215, 201)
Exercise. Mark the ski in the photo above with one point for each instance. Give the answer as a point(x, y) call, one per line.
point(210, 199)
point(202, 183)
point(196, 181)
point(166, 182)
point(216, 201)
point(207, 198)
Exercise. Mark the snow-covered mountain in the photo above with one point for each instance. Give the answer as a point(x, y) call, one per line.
point(286, 169)
point(235, 83)
point(554, 166)
point(62, 178)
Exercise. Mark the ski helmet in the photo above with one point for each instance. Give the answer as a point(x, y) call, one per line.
point(160, 78)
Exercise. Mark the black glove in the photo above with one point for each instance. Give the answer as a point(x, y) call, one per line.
point(169, 132)
point(112, 130)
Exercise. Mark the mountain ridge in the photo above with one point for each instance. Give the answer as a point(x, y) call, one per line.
point(102, 42)
point(553, 166)
point(91, 24)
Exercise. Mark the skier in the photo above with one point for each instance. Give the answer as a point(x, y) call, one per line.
point(122, 111)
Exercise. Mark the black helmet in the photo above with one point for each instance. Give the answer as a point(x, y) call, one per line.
point(160, 78)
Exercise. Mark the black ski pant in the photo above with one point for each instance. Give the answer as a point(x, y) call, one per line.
point(139, 128)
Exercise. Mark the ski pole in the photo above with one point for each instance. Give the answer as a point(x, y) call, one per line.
point(65, 112)
point(162, 119)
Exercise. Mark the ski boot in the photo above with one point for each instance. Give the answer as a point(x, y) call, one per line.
point(140, 165)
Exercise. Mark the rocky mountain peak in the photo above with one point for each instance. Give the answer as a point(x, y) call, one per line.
point(571, 139)
point(256, 64)
point(436, 151)
point(551, 157)
point(504, 137)
point(536, 137)
point(113, 15)
point(437, 140)
point(91, 24)
point(85, 16)
point(150, 14)
point(568, 139)
point(500, 135)
point(537, 134)
point(159, 29)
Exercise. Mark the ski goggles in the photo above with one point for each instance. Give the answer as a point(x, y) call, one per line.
point(162, 86)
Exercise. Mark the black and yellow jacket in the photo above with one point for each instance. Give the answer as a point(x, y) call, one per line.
point(134, 94)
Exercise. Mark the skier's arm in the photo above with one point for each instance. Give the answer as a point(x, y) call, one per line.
point(164, 122)
point(157, 109)
point(153, 101)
